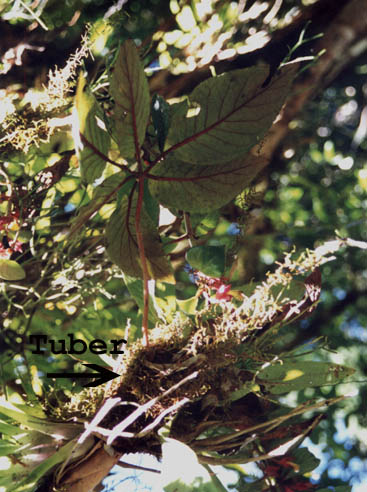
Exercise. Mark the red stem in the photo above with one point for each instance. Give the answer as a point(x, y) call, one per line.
point(143, 260)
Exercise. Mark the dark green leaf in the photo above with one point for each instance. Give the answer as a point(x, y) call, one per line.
point(207, 259)
point(108, 186)
point(161, 117)
point(123, 247)
point(305, 459)
point(129, 89)
point(204, 188)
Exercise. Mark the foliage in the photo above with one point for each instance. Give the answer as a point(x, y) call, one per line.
point(120, 228)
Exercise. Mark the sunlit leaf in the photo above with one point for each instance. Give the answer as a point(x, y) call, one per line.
point(129, 89)
point(7, 447)
point(228, 115)
point(11, 270)
point(94, 135)
point(290, 376)
point(135, 287)
point(188, 306)
point(165, 300)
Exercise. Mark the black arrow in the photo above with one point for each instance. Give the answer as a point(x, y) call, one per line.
point(104, 375)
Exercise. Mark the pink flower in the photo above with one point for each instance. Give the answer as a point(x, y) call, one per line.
point(222, 293)
point(16, 246)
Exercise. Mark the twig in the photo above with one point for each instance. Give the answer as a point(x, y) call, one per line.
point(189, 232)
point(34, 15)
point(202, 443)
point(123, 464)
point(161, 416)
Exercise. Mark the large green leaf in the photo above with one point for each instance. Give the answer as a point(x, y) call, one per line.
point(295, 376)
point(207, 259)
point(202, 188)
point(129, 89)
point(94, 136)
point(228, 115)
point(108, 186)
point(136, 289)
point(123, 247)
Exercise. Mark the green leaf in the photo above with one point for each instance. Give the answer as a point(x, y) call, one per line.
point(229, 114)
point(29, 482)
point(296, 376)
point(123, 247)
point(188, 306)
point(161, 117)
point(11, 270)
point(9, 429)
point(244, 390)
point(7, 447)
point(203, 188)
point(165, 300)
point(92, 128)
point(207, 259)
point(192, 477)
point(108, 186)
point(129, 89)
point(305, 459)
point(135, 287)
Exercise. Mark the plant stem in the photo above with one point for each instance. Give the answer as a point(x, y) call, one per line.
point(143, 260)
